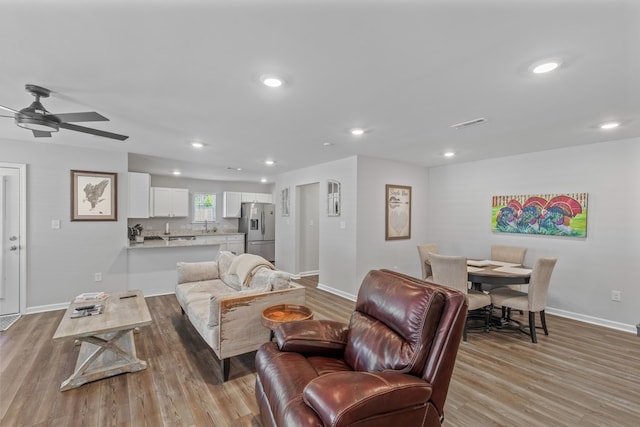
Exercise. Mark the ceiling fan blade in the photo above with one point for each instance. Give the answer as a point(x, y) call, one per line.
point(93, 131)
point(9, 109)
point(10, 117)
point(41, 134)
point(89, 116)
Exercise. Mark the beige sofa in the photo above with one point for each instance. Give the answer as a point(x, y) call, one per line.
point(224, 300)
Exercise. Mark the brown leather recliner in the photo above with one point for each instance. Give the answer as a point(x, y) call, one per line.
point(391, 366)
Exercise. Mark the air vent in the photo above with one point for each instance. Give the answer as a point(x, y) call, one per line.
point(469, 123)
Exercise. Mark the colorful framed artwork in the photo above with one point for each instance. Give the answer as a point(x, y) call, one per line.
point(94, 196)
point(546, 214)
point(397, 212)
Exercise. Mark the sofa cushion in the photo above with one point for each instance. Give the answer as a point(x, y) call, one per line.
point(278, 280)
point(186, 293)
point(244, 265)
point(232, 280)
point(225, 258)
point(197, 271)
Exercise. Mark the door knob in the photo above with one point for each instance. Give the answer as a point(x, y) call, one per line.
point(13, 248)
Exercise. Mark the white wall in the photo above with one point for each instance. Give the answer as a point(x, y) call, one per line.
point(373, 251)
point(337, 246)
point(347, 254)
point(62, 263)
point(459, 221)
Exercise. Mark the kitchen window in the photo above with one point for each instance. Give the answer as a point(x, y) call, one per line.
point(204, 207)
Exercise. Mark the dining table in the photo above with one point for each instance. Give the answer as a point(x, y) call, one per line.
point(496, 273)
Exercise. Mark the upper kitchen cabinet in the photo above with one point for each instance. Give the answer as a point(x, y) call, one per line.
point(169, 202)
point(257, 198)
point(231, 204)
point(139, 184)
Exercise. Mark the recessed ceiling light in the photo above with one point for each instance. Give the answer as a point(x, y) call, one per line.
point(263, 180)
point(197, 144)
point(234, 169)
point(357, 131)
point(545, 67)
point(269, 162)
point(449, 154)
point(327, 144)
point(177, 172)
point(609, 125)
point(271, 81)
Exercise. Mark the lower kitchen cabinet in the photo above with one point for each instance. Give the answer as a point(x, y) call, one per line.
point(228, 242)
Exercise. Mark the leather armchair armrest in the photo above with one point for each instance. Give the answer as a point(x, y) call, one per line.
point(343, 398)
point(317, 337)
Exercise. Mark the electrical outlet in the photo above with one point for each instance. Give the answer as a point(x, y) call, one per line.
point(616, 296)
point(97, 277)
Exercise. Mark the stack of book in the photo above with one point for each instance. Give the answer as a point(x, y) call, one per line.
point(87, 310)
point(91, 297)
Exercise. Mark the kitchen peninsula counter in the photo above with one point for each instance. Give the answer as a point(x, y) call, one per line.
point(153, 270)
point(201, 239)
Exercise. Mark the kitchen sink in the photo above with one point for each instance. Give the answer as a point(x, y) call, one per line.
point(170, 238)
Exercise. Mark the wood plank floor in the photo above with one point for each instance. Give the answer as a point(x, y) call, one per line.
point(580, 375)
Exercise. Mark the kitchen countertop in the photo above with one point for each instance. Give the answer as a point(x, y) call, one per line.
point(149, 244)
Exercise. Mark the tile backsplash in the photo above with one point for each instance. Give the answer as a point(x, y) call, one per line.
point(157, 225)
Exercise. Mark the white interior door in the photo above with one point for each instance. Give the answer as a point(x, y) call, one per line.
point(9, 240)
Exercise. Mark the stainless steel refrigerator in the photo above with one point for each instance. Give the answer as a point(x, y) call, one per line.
point(258, 221)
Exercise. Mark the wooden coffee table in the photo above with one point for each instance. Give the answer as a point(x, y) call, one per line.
point(108, 347)
point(277, 314)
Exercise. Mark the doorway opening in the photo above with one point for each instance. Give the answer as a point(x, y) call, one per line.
point(308, 229)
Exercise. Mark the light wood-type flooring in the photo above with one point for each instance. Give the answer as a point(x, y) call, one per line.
point(579, 375)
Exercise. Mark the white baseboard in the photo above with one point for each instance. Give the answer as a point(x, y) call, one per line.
point(48, 307)
point(592, 320)
point(338, 292)
point(309, 273)
point(65, 305)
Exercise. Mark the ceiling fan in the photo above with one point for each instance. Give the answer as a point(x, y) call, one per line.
point(42, 123)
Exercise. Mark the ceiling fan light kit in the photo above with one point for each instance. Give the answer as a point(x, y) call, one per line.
point(36, 124)
point(41, 122)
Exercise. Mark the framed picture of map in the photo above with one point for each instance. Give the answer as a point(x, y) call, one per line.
point(397, 212)
point(94, 196)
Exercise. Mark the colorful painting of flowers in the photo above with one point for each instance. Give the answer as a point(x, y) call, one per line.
point(548, 214)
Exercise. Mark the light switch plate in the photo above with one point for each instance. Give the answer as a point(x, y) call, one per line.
point(55, 224)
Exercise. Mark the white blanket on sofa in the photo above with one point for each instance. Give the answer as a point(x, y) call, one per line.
point(245, 266)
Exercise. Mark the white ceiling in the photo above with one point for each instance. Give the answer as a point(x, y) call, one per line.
point(167, 72)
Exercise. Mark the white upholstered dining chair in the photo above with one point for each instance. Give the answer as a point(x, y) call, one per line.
point(534, 301)
point(451, 271)
point(424, 250)
point(511, 254)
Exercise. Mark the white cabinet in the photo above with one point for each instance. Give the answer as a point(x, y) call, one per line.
point(139, 184)
point(231, 204)
point(235, 243)
point(227, 242)
point(169, 202)
point(219, 240)
point(264, 197)
point(257, 198)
